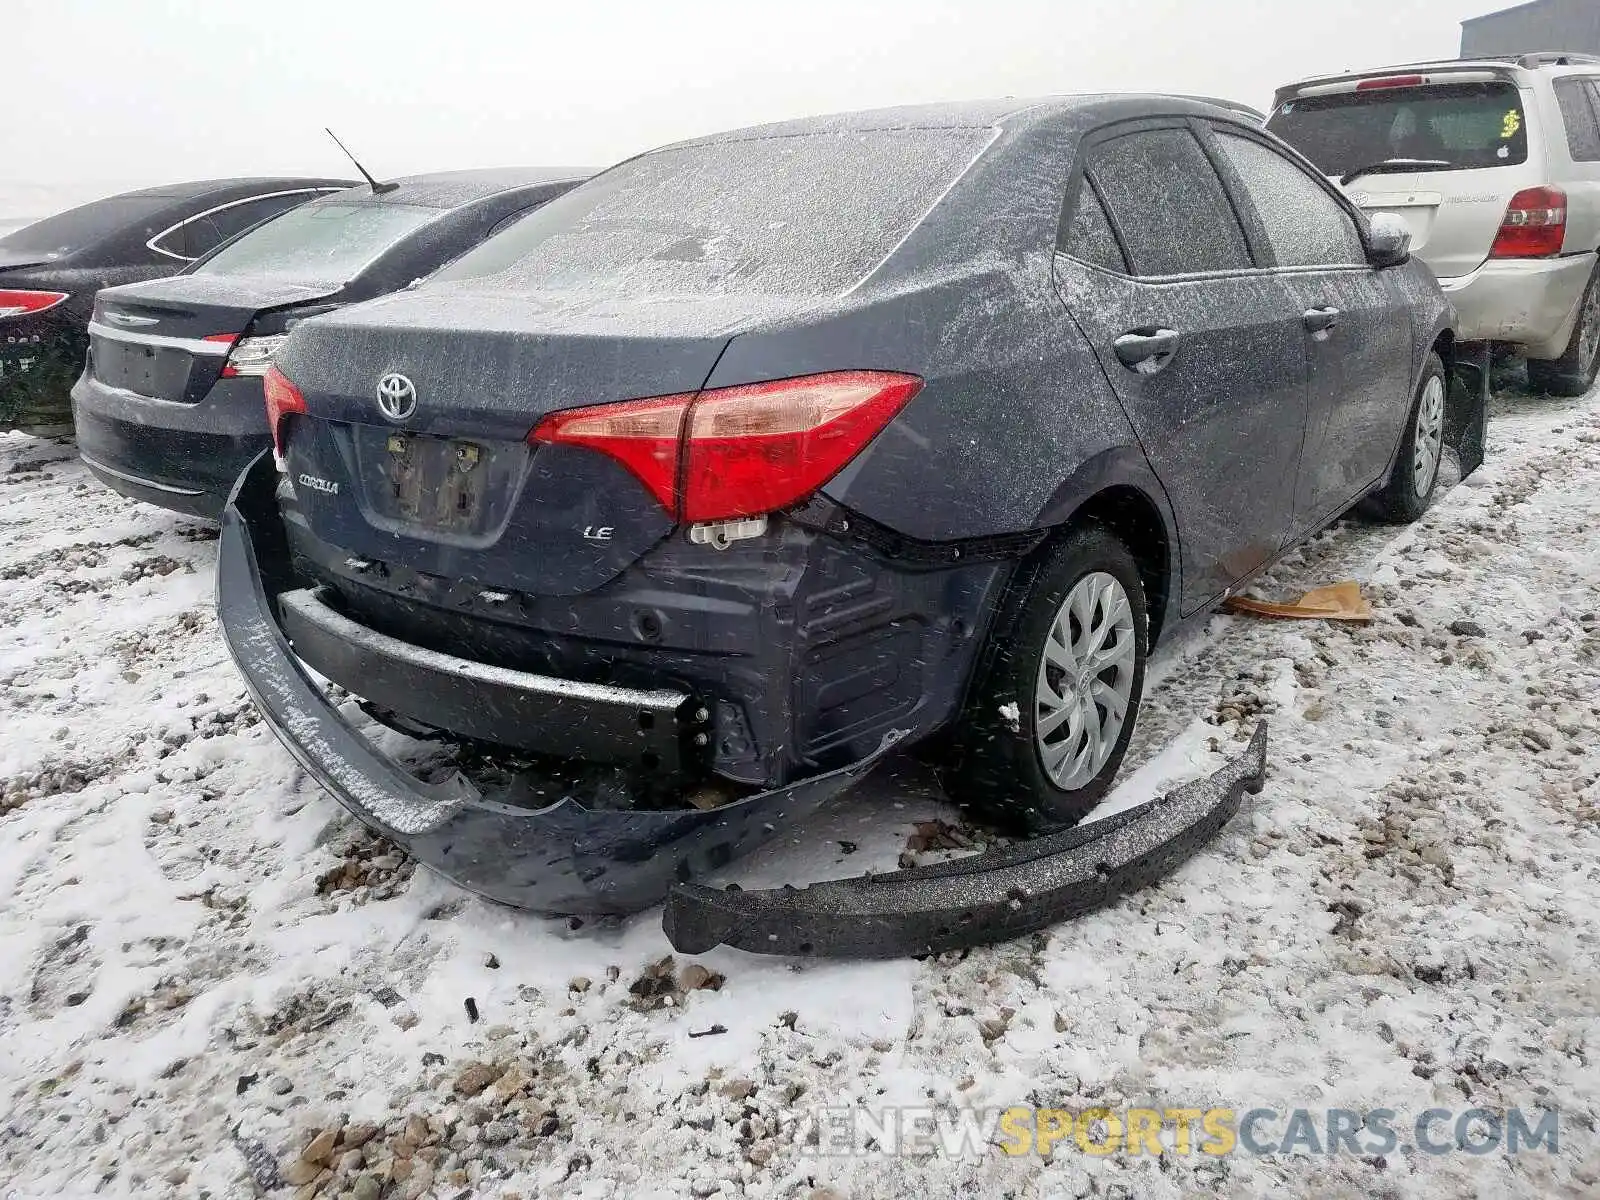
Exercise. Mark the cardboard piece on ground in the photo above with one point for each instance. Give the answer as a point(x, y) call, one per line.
point(1337, 602)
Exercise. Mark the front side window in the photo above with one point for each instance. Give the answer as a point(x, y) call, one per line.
point(1465, 126)
point(1168, 204)
point(1304, 225)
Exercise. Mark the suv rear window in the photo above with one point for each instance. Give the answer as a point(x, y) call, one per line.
point(1468, 125)
point(802, 215)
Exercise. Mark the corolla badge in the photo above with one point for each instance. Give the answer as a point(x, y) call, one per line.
point(397, 396)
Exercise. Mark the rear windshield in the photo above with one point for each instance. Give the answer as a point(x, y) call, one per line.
point(1467, 125)
point(799, 215)
point(322, 242)
point(78, 227)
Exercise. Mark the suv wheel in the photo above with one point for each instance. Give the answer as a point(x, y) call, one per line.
point(1416, 468)
point(1574, 372)
point(1050, 720)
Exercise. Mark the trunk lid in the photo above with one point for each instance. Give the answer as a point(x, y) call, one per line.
point(450, 486)
point(169, 338)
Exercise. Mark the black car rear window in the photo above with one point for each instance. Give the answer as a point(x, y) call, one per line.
point(1467, 125)
point(798, 215)
point(78, 227)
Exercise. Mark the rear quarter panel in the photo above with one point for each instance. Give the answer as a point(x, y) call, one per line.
point(1014, 403)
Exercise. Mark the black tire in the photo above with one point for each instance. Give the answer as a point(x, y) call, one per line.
point(1399, 502)
point(1569, 375)
point(998, 768)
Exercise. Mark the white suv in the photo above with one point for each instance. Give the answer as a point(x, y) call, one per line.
point(1494, 164)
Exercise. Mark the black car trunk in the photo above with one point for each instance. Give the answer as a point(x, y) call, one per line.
point(169, 338)
point(447, 482)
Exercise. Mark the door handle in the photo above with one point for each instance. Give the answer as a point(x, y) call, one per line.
point(1146, 350)
point(1321, 320)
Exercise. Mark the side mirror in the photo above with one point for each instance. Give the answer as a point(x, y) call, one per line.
point(1388, 241)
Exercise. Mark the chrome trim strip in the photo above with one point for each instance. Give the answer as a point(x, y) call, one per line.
point(313, 191)
point(311, 609)
point(192, 345)
point(140, 480)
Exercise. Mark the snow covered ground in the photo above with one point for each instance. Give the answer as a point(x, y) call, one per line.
point(204, 964)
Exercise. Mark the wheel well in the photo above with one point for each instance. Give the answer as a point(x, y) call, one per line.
point(1136, 521)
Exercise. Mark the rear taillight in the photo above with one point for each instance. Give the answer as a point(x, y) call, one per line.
point(15, 303)
point(1535, 225)
point(739, 451)
point(283, 398)
point(252, 355)
point(1391, 81)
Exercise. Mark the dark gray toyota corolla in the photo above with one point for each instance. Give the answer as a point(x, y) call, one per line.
point(758, 454)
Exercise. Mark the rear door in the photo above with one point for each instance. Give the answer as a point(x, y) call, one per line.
point(1357, 323)
point(1205, 351)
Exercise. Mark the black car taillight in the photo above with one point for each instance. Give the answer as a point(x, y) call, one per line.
point(15, 302)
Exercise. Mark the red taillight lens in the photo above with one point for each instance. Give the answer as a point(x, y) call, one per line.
point(283, 398)
point(742, 450)
point(15, 303)
point(1391, 81)
point(1535, 225)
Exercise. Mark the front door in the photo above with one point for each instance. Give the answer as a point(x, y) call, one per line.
point(1357, 325)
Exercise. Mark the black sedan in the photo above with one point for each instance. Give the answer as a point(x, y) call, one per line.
point(758, 454)
point(169, 407)
point(51, 269)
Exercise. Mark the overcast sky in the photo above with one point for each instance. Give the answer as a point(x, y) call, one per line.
point(145, 91)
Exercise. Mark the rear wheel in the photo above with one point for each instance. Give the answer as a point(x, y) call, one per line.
point(1574, 372)
point(1416, 468)
point(1050, 720)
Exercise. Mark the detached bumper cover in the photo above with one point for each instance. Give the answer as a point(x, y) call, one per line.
point(563, 858)
point(973, 901)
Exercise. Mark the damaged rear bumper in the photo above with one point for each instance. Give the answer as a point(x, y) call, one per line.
point(988, 897)
point(566, 858)
point(563, 858)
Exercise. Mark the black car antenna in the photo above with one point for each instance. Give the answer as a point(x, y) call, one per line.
point(378, 189)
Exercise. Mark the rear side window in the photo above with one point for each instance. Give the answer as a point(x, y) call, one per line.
point(804, 215)
point(1087, 234)
point(1168, 204)
point(1578, 114)
point(1466, 126)
point(1305, 226)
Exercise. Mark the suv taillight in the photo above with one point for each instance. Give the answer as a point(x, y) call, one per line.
point(741, 451)
point(283, 398)
point(17, 303)
point(1535, 225)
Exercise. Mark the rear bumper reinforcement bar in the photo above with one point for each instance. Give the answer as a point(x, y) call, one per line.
point(988, 897)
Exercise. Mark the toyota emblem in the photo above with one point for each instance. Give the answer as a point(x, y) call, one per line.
point(397, 396)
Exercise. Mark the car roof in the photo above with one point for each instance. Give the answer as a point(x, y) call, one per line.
point(197, 188)
point(450, 189)
point(1010, 112)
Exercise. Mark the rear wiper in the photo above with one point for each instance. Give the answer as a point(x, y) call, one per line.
point(1395, 166)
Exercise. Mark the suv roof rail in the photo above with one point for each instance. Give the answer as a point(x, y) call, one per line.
point(1554, 58)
